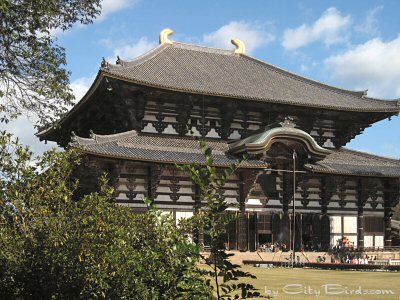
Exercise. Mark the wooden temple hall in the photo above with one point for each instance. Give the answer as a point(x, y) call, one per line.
point(133, 123)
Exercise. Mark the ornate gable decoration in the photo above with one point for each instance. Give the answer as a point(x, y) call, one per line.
point(262, 142)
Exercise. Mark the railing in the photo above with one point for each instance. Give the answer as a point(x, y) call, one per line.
point(381, 249)
point(326, 266)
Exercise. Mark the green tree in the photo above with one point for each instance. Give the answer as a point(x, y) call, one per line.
point(212, 220)
point(55, 246)
point(33, 78)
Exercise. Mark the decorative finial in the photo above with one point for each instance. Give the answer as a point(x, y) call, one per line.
point(365, 92)
point(92, 134)
point(164, 36)
point(240, 46)
point(74, 139)
point(118, 61)
point(104, 64)
point(288, 123)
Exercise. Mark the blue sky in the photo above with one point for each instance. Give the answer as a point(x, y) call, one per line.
point(350, 44)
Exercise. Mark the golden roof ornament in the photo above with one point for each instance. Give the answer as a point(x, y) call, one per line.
point(164, 36)
point(240, 46)
point(288, 123)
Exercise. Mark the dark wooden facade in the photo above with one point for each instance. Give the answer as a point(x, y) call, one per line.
point(141, 127)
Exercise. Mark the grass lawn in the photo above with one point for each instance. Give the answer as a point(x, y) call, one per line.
point(300, 284)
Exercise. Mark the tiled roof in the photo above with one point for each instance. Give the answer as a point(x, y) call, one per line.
point(201, 70)
point(141, 147)
point(350, 162)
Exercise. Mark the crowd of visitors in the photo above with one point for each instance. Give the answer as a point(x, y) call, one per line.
point(273, 247)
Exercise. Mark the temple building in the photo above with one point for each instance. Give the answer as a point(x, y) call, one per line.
point(134, 123)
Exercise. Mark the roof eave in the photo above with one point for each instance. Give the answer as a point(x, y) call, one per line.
point(335, 172)
point(96, 83)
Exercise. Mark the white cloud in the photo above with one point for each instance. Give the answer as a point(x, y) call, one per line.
point(132, 50)
point(370, 25)
point(304, 68)
point(23, 128)
point(80, 86)
point(108, 7)
point(253, 34)
point(392, 150)
point(111, 6)
point(374, 65)
point(330, 28)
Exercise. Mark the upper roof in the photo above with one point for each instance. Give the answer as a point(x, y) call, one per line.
point(132, 145)
point(210, 71)
point(349, 162)
point(226, 74)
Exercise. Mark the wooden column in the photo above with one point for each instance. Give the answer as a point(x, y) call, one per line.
point(387, 214)
point(360, 227)
point(242, 220)
point(154, 176)
point(287, 195)
point(325, 194)
point(327, 189)
point(391, 199)
point(387, 219)
point(361, 200)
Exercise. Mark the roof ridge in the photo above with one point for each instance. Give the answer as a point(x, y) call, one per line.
point(136, 60)
point(205, 48)
point(159, 48)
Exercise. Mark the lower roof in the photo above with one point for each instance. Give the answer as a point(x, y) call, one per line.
point(349, 162)
point(132, 145)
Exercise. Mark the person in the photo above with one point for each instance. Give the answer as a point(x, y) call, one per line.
point(347, 259)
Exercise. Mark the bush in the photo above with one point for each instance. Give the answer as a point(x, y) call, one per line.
point(56, 247)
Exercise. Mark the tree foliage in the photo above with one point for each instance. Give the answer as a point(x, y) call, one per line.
point(33, 78)
point(53, 246)
point(212, 221)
